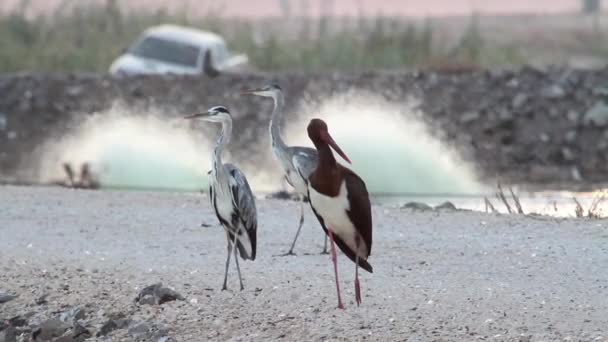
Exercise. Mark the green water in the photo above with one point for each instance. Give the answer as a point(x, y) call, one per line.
point(127, 166)
point(391, 149)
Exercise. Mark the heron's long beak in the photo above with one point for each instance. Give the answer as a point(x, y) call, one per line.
point(198, 115)
point(254, 91)
point(331, 142)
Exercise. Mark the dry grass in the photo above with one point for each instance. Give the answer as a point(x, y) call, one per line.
point(595, 210)
point(77, 37)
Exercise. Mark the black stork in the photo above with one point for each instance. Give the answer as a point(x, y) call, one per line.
point(340, 200)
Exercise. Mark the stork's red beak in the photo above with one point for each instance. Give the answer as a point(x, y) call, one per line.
point(331, 142)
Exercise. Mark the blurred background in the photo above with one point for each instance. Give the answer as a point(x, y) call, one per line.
point(450, 96)
point(68, 35)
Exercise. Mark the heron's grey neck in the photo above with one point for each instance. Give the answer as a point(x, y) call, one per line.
point(222, 141)
point(275, 130)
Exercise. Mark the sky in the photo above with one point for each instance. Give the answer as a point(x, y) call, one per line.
point(262, 8)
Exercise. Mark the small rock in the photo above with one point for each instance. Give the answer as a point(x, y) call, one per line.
point(283, 195)
point(573, 115)
point(117, 321)
point(80, 331)
point(18, 321)
point(42, 299)
point(553, 92)
point(576, 174)
point(417, 206)
point(8, 335)
point(597, 115)
point(3, 123)
point(544, 137)
point(6, 297)
point(139, 328)
point(158, 294)
point(77, 334)
point(571, 136)
point(568, 154)
point(513, 83)
point(49, 330)
point(74, 91)
point(72, 315)
point(446, 206)
point(469, 117)
point(147, 300)
point(11, 135)
point(519, 100)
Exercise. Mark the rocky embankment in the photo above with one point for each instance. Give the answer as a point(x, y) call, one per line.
point(527, 126)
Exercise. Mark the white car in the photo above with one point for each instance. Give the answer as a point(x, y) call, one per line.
point(179, 50)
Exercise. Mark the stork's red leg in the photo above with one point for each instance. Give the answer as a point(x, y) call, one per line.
point(357, 285)
point(334, 258)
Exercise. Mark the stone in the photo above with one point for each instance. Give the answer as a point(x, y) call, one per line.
point(139, 328)
point(573, 116)
point(282, 195)
point(469, 117)
point(576, 174)
point(568, 154)
point(77, 334)
point(72, 315)
point(42, 299)
point(417, 206)
point(446, 206)
point(553, 92)
point(74, 91)
point(544, 137)
point(519, 100)
point(18, 321)
point(570, 136)
point(49, 330)
point(505, 116)
point(3, 121)
point(157, 294)
point(6, 297)
point(8, 335)
point(115, 322)
point(597, 115)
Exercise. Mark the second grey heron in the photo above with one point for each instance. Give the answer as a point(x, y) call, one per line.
point(231, 196)
point(305, 157)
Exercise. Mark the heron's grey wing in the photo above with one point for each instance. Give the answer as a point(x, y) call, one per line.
point(307, 159)
point(244, 202)
point(210, 180)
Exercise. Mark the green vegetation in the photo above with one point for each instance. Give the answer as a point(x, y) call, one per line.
point(77, 38)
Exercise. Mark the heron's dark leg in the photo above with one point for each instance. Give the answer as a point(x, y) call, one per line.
point(238, 269)
point(227, 262)
point(325, 247)
point(334, 258)
point(357, 285)
point(293, 244)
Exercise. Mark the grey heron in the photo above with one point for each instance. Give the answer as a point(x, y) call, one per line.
point(306, 157)
point(231, 196)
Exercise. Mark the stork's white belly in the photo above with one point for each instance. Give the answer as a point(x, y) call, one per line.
point(333, 211)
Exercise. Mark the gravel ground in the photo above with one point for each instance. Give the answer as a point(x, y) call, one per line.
point(439, 276)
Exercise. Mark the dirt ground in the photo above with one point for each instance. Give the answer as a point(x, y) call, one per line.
point(438, 276)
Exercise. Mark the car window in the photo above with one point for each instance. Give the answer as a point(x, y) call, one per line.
point(166, 51)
